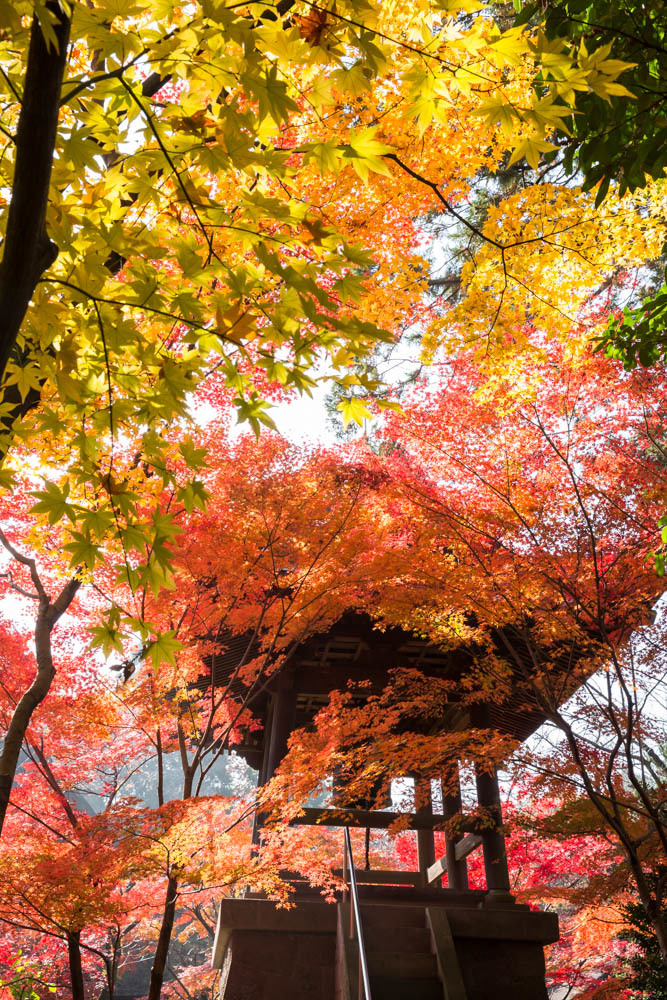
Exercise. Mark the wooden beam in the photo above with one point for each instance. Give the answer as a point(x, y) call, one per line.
point(495, 850)
point(361, 818)
point(376, 820)
point(425, 838)
point(468, 845)
point(378, 876)
point(462, 850)
point(443, 946)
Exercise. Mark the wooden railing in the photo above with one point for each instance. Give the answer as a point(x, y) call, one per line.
point(462, 849)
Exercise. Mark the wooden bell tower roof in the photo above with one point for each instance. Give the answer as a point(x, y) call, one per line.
point(355, 650)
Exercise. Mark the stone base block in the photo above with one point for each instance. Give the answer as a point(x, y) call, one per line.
point(271, 954)
point(281, 966)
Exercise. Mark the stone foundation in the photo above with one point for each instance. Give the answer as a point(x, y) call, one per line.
point(277, 954)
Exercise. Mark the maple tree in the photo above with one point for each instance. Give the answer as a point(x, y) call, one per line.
point(174, 225)
point(182, 220)
point(187, 216)
point(538, 505)
point(646, 964)
point(524, 517)
point(112, 143)
point(222, 205)
point(50, 610)
point(285, 546)
point(461, 540)
point(612, 140)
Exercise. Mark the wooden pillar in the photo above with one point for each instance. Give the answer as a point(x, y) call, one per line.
point(282, 723)
point(425, 838)
point(279, 724)
point(493, 839)
point(261, 777)
point(457, 871)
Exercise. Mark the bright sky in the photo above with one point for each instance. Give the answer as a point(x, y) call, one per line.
point(304, 420)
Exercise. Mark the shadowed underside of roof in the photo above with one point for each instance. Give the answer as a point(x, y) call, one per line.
point(355, 650)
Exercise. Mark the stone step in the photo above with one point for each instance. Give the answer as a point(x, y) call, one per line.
point(430, 896)
point(386, 988)
point(406, 938)
point(392, 916)
point(402, 965)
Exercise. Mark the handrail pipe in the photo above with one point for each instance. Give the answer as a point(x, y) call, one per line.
point(364, 978)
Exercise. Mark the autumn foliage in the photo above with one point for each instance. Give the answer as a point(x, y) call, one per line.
point(208, 210)
point(475, 524)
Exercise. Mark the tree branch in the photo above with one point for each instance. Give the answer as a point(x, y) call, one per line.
point(26, 561)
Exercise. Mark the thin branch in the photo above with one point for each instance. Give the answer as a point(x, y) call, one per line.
point(26, 561)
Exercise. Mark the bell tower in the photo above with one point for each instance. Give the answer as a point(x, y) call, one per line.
point(391, 934)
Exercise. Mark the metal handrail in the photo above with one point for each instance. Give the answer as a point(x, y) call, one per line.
point(354, 902)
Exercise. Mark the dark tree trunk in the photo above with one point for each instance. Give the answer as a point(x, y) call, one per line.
point(47, 616)
point(162, 949)
point(27, 250)
point(27, 704)
point(75, 968)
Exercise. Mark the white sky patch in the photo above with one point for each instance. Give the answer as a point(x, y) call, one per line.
point(304, 419)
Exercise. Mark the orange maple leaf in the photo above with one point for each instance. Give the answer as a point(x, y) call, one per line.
point(313, 26)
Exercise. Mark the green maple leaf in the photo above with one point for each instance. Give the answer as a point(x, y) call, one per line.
point(52, 501)
point(271, 92)
point(354, 80)
point(84, 550)
point(106, 638)
point(325, 155)
point(194, 495)
point(194, 457)
point(26, 378)
point(164, 649)
point(134, 538)
point(365, 153)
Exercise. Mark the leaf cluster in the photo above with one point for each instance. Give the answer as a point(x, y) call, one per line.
point(639, 336)
point(614, 139)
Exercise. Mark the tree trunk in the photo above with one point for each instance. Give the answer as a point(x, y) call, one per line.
point(164, 938)
point(75, 968)
point(162, 949)
point(27, 250)
point(623, 835)
point(650, 903)
point(20, 720)
point(47, 616)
